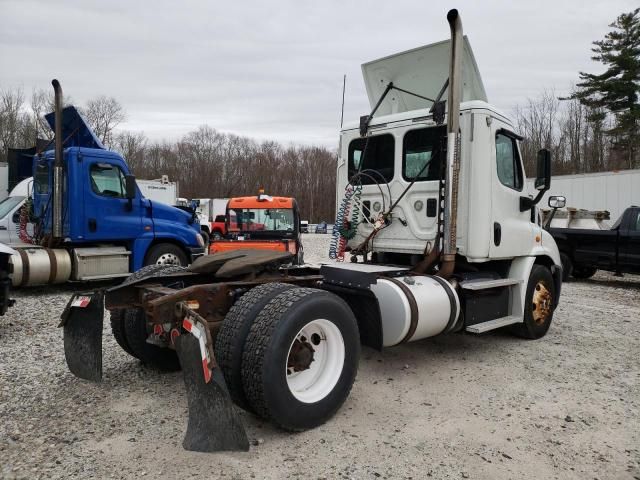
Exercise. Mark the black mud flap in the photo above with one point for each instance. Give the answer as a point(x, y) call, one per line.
point(82, 321)
point(214, 424)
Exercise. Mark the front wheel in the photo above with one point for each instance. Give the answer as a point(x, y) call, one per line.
point(166, 254)
point(300, 358)
point(539, 303)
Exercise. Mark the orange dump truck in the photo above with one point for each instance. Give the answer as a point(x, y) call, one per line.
point(261, 222)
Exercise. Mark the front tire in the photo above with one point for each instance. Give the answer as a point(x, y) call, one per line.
point(539, 302)
point(166, 254)
point(300, 358)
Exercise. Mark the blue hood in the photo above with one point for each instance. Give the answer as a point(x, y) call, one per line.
point(75, 130)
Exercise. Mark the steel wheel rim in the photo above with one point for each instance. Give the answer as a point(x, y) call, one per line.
point(318, 379)
point(541, 303)
point(168, 259)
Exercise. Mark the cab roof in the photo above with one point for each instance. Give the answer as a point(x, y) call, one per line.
point(265, 202)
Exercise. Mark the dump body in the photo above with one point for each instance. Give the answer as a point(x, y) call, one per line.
point(616, 249)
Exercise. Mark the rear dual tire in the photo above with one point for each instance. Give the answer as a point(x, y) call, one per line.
point(233, 333)
point(296, 328)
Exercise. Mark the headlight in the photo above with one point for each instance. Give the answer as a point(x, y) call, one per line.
point(200, 239)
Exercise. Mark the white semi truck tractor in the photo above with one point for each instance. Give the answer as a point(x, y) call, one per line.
point(438, 232)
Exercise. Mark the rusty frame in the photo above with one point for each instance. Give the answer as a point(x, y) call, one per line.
point(161, 304)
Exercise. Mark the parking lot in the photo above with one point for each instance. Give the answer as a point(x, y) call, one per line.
point(455, 406)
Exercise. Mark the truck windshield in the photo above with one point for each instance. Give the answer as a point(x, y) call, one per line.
point(261, 220)
point(8, 204)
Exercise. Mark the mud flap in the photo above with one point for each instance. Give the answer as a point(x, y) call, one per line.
point(82, 321)
point(214, 425)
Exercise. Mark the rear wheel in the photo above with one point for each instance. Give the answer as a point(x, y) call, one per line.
point(233, 333)
point(301, 358)
point(217, 235)
point(137, 331)
point(539, 303)
point(118, 316)
point(166, 254)
point(117, 328)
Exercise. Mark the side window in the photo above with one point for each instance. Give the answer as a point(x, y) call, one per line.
point(372, 153)
point(636, 226)
point(508, 162)
point(419, 154)
point(41, 178)
point(107, 180)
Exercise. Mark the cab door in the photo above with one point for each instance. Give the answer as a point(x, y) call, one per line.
point(512, 232)
point(630, 243)
point(108, 215)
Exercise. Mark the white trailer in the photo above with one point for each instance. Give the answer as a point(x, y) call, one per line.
point(159, 190)
point(613, 191)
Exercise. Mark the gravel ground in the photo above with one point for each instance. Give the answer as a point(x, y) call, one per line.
point(455, 406)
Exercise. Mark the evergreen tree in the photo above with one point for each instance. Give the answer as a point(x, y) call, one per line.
point(616, 90)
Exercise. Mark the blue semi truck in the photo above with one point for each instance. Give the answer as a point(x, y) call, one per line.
point(91, 221)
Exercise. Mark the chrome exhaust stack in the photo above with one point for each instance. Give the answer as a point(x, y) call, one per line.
point(453, 146)
point(57, 165)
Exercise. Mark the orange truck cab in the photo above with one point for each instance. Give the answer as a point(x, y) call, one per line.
point(261, 222)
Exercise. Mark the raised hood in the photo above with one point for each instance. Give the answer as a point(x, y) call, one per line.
point(75, 130)
point(422, 70)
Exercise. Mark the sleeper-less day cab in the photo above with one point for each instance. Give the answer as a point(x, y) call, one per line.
point(90, 220)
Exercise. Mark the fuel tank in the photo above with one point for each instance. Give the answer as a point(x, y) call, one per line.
point(40, 266)
point(414, 307)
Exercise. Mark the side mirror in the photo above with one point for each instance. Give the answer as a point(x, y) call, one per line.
point(557, 201)
point(543, 171)
point(130, 186)
point(542, 182)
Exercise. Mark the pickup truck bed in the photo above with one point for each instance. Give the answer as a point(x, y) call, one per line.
point(616, 250)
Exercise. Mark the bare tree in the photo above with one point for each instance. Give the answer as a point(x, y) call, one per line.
point(104, 114)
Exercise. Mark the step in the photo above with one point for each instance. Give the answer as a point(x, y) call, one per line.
point(493, 324)
point(489, 283)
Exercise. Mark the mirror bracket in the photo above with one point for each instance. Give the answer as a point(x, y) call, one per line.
point(130, 190)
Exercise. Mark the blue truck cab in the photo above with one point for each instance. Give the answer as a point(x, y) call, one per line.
point(102, 205)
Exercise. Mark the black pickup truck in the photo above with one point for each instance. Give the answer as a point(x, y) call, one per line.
point(616, 250)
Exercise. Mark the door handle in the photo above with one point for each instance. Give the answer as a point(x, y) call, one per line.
point(2, 227)
point(93, 225)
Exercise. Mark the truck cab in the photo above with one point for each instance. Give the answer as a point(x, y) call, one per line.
point(108, 228)
point(404, 145)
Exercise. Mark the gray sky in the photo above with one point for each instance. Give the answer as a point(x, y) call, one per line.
point(273, 70)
